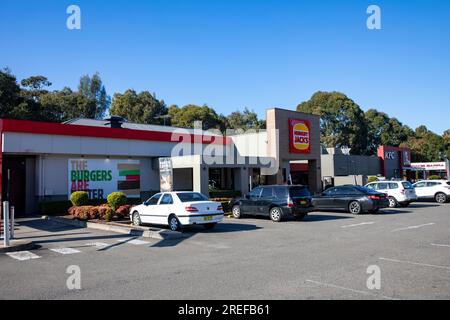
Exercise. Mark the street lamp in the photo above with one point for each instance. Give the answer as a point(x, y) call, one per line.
point(164, 117)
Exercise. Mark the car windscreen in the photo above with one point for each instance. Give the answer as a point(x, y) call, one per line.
point(191, 196)
point(298, 192)
point(407, 185)
point(448, 182)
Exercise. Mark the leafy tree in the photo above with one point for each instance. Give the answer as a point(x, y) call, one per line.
point(138, 108)
point(244, 120)
point(96, 101)
point(446, 137)
point(10, 96)
point(426, 145)
point(185, 117)
point(342, 121)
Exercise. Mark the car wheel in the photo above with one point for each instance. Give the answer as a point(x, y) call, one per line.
point(236, 211)
point(355, 207)
point(392, 202)
point(276, 214)
point(174, 223)
point(209, 226)
point(136, 219)
point(440, 198)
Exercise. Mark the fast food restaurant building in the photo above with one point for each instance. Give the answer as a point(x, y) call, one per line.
point(47, 161)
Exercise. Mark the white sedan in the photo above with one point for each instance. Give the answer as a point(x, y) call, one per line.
point(178, 209)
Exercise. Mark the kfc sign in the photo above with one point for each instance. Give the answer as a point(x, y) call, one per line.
point(390, 155)
point(299, 136)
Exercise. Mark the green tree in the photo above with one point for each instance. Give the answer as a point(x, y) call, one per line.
point(244, 120)
point(426, 145)
point(10, 96)
point(446, 137)
point(185, 117)
point(138, 108)
point(95, 100)
point(342, 121)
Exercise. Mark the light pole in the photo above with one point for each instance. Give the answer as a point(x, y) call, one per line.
point(164, 117)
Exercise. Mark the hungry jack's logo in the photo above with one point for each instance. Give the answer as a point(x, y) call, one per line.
point(299, 136)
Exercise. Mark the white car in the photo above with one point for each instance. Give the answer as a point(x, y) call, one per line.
point(400, 193)
point(178, 209)
point(439, 190)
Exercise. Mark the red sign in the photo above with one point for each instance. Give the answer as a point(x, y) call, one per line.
point(299, 136)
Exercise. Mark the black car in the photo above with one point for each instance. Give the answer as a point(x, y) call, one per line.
point(354, 199)
point(276, 202)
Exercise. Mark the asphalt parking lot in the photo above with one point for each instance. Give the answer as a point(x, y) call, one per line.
point(326, 256)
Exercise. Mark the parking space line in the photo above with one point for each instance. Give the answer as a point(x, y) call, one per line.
point(135, 242)
point(65, 250)
point(350, 289)
point(413, 227)
point(440, 245)
point(416, 263)
point(22, 255)
point(97, 244)
point(358, 224)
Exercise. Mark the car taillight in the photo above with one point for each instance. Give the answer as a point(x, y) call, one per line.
point(374, 197)
point(290, 203)
point(220, 208)
point(191, 209)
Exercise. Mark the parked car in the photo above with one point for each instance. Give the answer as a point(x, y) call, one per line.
point(400, 193)
point(276, 202)
point(178, 209)
point(354, 199)
point(439, 190)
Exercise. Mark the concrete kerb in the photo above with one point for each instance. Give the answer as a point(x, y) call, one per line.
point(17, 245)
point(159, 234)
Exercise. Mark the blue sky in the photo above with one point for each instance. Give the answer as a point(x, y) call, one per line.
point(233, 54)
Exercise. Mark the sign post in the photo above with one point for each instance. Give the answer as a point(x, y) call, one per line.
point(6, 223)
point(12, 222)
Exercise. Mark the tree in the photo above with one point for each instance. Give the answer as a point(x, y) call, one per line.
point(138, 108)
point(383, 130)
point(342, 121)
point(426, 145)
point(10, 96)
point(96, 101)
point(446, 137)
point(244, 120)
point(185, 117)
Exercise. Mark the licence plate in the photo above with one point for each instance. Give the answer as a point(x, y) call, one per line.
point(207, 218)
point(303, 202)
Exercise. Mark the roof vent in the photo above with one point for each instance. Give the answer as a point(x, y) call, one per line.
point(115, 121)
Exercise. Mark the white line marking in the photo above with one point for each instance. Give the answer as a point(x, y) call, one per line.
point(65, 250)
point(440, 245)
point(416, 263)
point(413, 227)
point(136, 242)
point(357, 224)
point(350, 289)
point(97, 244)
point(22, 255)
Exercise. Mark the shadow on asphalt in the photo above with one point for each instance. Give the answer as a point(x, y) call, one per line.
point(324, 217)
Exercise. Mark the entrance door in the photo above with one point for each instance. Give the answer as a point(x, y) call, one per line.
point(17, 182)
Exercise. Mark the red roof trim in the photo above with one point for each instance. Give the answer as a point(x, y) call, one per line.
point(35, 127)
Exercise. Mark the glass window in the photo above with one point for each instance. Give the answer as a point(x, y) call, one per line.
point(299, 192)
point(346, 190)
point(383, 186)
point(407, 185)
point(266, 193)
point(393, 186)
point(432, 184)
point(191, 196)
point(153, 200)
point(448, 183)
point(166, 199)
point(331, 191)
point(420, 184)
point(255, 193)
point(372, 186)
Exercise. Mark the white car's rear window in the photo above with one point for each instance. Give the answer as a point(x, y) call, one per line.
point(191, 197)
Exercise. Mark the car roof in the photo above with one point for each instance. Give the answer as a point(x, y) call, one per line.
point(281, 185)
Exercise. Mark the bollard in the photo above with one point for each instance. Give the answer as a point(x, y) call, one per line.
point(12, 223)
point(6, 223)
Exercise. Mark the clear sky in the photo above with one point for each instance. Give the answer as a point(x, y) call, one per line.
point(233, 54)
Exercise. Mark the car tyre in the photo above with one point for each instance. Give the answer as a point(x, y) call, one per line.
point(392, 202)
point(209, 226)
point(276, 215)
point(136, 219)
point(440, 198)
point(174, 223)
point(236, 212)
point(355, 207)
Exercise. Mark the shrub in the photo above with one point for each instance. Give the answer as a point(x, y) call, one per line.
point(116, 199)
point(54, 207)
point(434, 177)
point(72, 210)
point(79, 198)
point(123, 211)
point(105, 212)
point(372, 179)
point(83, 212)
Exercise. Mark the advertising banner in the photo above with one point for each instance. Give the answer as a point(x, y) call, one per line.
point(430, 166)
point(299, 136)
point(100, 177)
point(165, 174)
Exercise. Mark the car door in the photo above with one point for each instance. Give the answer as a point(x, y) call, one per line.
point(431, 189)
point(325, 200)
point(265, 200)
point(164, 209)
point(147, 214)
point(248, 203)
point(383, 187)
point(342, 197)
point(421, 189)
